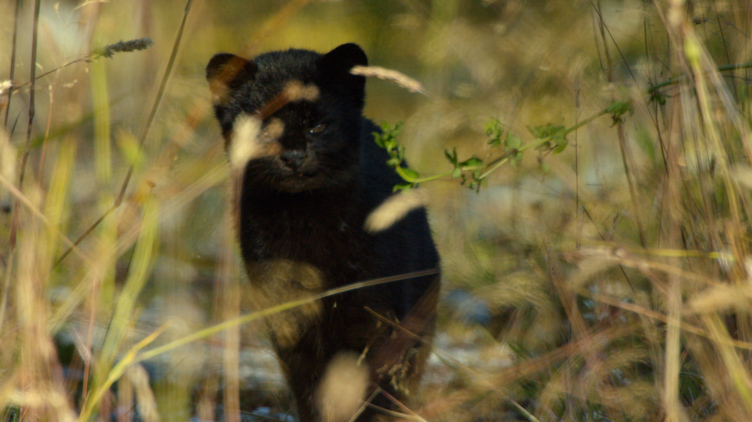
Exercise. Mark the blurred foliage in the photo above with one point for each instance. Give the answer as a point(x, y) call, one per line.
point(602, 275)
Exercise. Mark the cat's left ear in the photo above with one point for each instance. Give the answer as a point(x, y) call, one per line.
point(334, 71)
point(226, 72)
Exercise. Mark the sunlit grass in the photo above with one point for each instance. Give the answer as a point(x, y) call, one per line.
point(607, 273)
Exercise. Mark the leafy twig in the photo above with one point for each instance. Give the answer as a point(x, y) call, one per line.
point(473, 171)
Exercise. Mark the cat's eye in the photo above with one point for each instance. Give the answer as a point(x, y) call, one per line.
point(317, 129)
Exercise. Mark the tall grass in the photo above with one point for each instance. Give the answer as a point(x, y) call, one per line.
point(600, 272)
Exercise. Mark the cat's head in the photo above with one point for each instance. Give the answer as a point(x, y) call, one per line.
point(291, 119)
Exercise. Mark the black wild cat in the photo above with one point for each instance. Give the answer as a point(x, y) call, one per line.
point(309, 174)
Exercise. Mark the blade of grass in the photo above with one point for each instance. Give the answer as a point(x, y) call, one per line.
point(215, 329)
point(626, 156)
point(125, 241)
point(671, 394)
point(140, 268)
point(735, 367)
point(117, 371)
point(56, 201)
point(145, 131)
point(23, 200)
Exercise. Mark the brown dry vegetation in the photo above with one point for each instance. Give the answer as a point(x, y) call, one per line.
point(610, 279)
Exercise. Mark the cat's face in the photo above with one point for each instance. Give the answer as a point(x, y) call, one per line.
point(291, 119)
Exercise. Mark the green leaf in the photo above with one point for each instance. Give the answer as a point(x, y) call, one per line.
point(547, 131)
point(400, 153)
point(618, 109)
point(494, 130)
point(493, 127)
point(471, 162)
point(512, 141)
point(561, 146)
point(387, 139)
point(452, 157)
point(409, 173)
point(391, 129)
point(403, 187)
point(658, 97)
point(457, 172)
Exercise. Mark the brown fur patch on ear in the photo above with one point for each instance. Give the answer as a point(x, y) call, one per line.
point(219, 92)
point(226, 72)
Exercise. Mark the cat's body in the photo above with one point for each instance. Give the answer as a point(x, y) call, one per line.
point(310, 175)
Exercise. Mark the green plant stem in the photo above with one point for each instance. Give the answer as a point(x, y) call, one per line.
point(676, 79)
point(409, 179)
point(117, 371)
point(585, 122)
point(499, 161)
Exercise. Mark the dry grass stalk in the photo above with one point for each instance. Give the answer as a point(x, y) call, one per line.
point(394, 76)
point(658, 308)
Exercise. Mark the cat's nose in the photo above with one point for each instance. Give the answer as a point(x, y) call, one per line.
point(293, 159)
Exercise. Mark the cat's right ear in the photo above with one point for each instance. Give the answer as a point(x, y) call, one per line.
point(226, 72)
point(334, 72)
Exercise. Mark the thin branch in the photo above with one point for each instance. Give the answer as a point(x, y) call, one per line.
point(32, 96)
point(625, 152)
point(107, 52)
point(725, 47)
point(676, 79)
point(243, 319)
point(12, 71)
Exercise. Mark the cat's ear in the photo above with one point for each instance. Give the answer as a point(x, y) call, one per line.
point(226, 72)
point(334, 71)
point(343, 58)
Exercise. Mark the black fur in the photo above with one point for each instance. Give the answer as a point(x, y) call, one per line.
point(304, 208)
